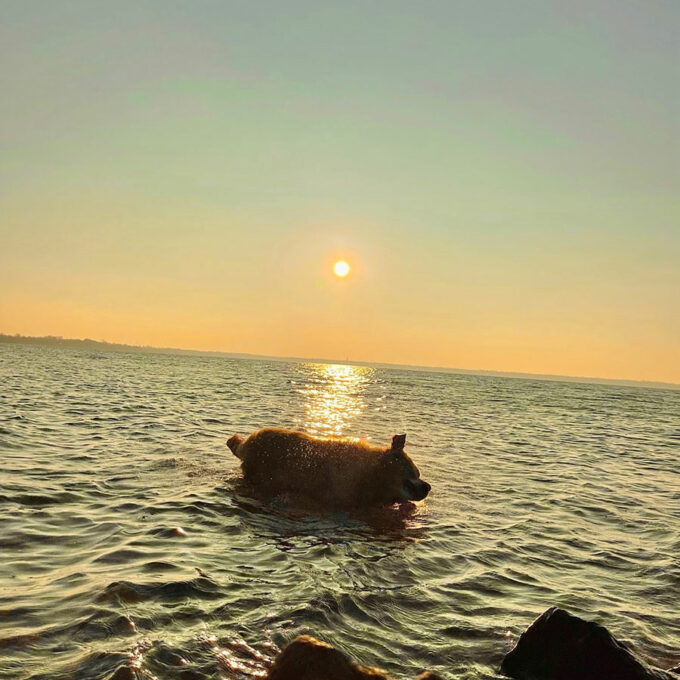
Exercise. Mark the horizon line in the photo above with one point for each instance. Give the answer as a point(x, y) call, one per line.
point(105, 345)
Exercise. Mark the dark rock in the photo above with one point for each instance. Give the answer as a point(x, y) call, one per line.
point(307, 658)
point(123, 673)
point(559, 646)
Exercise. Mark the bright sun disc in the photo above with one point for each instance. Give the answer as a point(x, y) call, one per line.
point(341, 268)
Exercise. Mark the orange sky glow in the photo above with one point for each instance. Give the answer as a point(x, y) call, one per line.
point(505, 192)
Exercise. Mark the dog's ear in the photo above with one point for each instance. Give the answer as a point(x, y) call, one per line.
point(234, 442)
point(398, 443)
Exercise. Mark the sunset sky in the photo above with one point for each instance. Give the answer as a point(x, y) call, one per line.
point(502, 178)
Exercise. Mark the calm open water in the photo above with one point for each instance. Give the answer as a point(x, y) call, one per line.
point(543, 493)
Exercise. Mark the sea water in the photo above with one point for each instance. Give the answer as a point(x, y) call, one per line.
point(126, 538)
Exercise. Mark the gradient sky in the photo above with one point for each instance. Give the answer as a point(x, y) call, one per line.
point(503, 177)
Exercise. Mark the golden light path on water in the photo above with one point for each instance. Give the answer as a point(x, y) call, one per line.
point(333, 397)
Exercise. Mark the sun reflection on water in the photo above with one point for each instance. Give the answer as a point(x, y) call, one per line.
point(333, 397)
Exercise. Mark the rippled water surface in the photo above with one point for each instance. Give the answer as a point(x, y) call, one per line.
point(126, 539)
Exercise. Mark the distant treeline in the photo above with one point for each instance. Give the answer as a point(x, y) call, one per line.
point(87, 343)
point(102, 346)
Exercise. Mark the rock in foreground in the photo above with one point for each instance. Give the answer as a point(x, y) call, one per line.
point(306, 658)
point(559, 646)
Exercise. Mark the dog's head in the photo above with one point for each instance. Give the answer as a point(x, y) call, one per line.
point(400, 474)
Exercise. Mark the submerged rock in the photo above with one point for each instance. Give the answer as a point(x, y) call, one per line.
point(560, 646)
point(307, 658)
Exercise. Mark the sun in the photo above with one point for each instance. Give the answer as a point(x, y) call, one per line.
point(341, 269)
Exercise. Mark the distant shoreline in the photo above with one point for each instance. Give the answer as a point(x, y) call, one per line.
point(103, 346)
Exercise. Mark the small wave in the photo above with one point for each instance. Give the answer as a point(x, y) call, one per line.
point(120, 592)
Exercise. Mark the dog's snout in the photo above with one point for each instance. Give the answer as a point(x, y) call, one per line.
point(425, 488)
point(418, 489)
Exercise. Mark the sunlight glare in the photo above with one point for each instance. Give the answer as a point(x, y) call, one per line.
point(333, 397)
